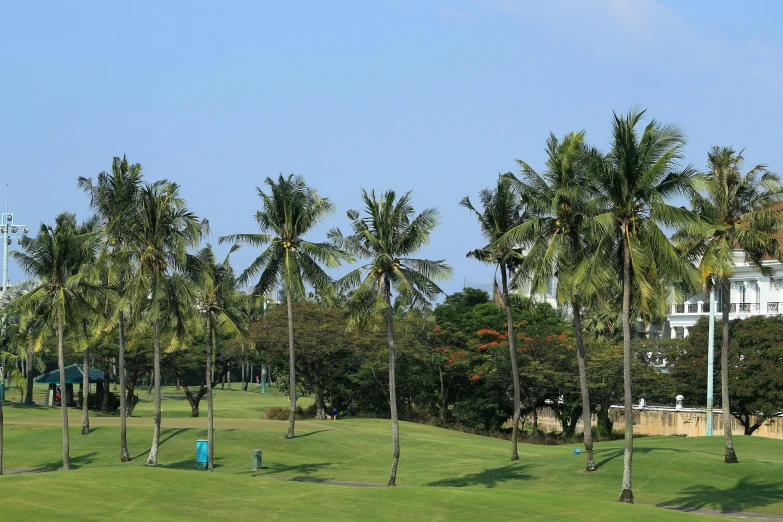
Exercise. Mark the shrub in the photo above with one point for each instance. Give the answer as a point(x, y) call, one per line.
point(283, 413)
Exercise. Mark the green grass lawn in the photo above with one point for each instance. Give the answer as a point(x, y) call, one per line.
point(443, 475)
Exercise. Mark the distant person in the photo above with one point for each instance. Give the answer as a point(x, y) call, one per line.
point(258, 381)
point(334, 413)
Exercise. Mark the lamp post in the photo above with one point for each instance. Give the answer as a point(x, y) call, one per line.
point(7, 227)
point(710, 360)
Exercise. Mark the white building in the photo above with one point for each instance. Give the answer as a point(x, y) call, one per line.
point(751, 294)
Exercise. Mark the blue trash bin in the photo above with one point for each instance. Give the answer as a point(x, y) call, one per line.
point(202, 454)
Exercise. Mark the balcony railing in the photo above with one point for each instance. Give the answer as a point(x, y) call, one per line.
point(734, 308)
point(744, 308)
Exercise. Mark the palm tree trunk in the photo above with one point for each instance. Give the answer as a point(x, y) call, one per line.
point(1, 437)
point(731, 457)
point(208, 375)
point(626, 495)
point(586, 414)
point(86, 393)
point(152, 460)
point(392, 385)
point(124, 455)
point(292, 363)
point(63, 399)
point(106, 388)
point(512, 347)
point(29, 395)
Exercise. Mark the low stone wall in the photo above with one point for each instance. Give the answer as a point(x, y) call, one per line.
point(668, 421)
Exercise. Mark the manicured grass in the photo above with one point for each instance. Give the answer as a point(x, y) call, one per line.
point(444, 475)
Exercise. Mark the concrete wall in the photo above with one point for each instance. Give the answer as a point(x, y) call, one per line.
point(668, 421)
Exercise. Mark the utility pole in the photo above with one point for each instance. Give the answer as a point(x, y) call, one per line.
point(7, 225)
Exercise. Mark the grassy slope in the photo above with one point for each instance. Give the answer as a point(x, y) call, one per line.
point(447, 475)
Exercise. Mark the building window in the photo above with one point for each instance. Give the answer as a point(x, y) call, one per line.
point(742, 294)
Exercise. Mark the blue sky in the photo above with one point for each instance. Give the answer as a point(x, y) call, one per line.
point(434, 97)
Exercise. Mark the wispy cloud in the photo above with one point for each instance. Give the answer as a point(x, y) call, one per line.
point(649, 30)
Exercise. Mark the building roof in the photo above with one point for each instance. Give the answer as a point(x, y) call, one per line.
point(73, 374)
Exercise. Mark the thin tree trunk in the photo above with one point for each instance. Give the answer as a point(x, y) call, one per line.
point(626, 495)
point(29, 396)
point(292, 363)
point(392, 385)
point(106, 388)
point(320, 407)
point(152, 382)
point(228, 378)
point(124, 455)
point(208, 376)
point(242, 386)
point(512, 347)
point(152, 460)
point(1, 437)
point(586, 415)
point(86, 393)
point(63, 401)
point(731, 457)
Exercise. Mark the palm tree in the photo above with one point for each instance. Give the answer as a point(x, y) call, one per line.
point(386, 236)
point(745, 213)
point(218, 301)
point(62, 259)
point(635, 181)
point(501, 213)
point(114, 198)
point(160, 237)
point(290, 210)
point(560, 204)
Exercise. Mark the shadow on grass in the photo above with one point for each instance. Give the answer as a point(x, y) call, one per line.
point(489, 478)
point(301, 472)
point(609, 455)
point(76, 461)
point(310, 433)
point(747, 494)
point(165, 435)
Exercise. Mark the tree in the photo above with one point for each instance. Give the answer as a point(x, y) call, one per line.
point(501, 212)
point(387, 235)
point(755, 357)
point(322, 335)
point(635, 181)
point(159, 238)
point(218, 301)
point(741, 211)
point(290, 210)
point(62, 259)
point(114, 198)
point(14, 291)
point(559, 230)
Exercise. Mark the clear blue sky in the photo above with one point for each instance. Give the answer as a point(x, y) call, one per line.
point(435, 97)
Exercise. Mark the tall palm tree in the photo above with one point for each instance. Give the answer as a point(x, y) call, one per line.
point(744, 212)
point(636, 181)
point(62, 258)
point(114, 198)
point(386, 236)
point(560, 204)
point(219, 302)
point(160, 237)
point(502, 212)
point(290, 210)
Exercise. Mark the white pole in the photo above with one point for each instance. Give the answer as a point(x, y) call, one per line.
point(5, 254)
point(710, 361)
